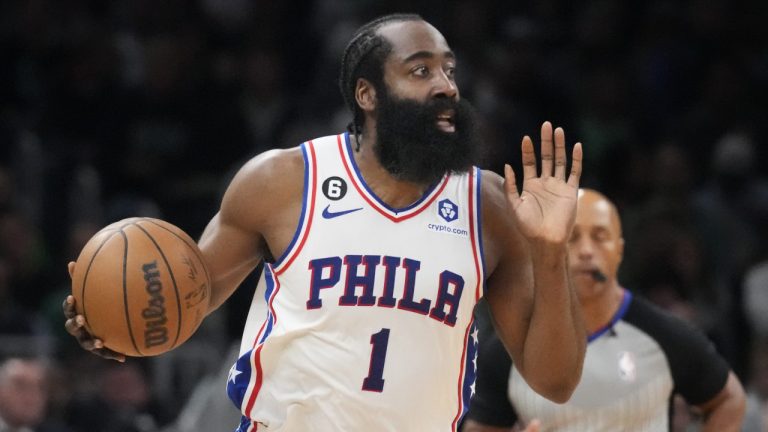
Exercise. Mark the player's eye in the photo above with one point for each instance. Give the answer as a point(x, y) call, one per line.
point(420, 71)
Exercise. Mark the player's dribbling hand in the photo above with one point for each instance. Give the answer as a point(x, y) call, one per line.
point(75, 326)
point(545, 210)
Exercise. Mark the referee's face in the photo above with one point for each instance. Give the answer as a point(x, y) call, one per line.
point(596, 246)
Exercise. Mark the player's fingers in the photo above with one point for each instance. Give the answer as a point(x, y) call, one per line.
point(74, 325)
point(576, 164)
point(529, 159)
point(71, 268)
point(68, 307)
point(109, 354)
point(547, 153)
point(560, 157)
point(88, 342)
point(510, 184)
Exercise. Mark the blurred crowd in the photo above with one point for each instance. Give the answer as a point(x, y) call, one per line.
point(145, 108)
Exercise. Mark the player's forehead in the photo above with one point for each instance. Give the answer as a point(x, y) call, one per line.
point(409, 38)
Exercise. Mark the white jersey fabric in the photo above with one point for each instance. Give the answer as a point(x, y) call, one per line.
point(368, 320)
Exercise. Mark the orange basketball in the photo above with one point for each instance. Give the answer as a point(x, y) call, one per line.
point(142, 286)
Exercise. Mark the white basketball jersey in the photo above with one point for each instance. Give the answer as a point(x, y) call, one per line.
point(368, 322)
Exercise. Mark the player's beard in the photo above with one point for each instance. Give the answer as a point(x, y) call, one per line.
point(411, 146)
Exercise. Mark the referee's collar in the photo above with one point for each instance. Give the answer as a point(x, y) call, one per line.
point(625, 301)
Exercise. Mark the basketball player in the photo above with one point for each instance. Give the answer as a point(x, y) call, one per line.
point(378, 243)
point(637, 357)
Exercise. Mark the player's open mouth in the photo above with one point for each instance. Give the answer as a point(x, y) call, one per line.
point(445, 121)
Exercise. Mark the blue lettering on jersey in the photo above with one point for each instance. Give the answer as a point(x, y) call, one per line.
point(359, 283)
point(317, 282)
point(407, 303)
point(365, 281)
point(444, 298)
point(387, 299)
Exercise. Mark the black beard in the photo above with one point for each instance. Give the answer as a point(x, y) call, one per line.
point(411, 147)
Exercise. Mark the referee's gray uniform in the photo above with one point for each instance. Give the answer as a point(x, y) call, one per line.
point(633, 367)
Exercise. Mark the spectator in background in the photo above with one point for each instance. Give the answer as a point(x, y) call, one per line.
point(123, 402)
point(24, 396)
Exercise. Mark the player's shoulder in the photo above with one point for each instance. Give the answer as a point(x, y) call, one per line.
point(270, 179)
point(285, 164)
point(276, 164)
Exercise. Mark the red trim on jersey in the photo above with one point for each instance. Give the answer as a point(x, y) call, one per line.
point(472, 235)
point(271, 300)
point(311, 193)
point(463, 366)
point(256, 361)
point(386, 213)
point(261, 330)
point(273, 315)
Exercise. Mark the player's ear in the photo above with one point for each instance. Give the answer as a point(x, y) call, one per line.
point(365, 95)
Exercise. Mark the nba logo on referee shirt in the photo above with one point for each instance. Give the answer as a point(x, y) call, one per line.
point(448, 210)
point(627, 368)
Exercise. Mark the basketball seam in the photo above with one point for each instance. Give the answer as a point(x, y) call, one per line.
point(125, 293)
point(173, 279)
point(87, 272)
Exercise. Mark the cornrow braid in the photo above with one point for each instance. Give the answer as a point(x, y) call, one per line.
point(364, 58)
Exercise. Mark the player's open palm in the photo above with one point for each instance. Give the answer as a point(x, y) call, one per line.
point(546, 207)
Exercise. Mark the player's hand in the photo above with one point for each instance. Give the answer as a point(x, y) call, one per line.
point(546, 209)
point(75, 326)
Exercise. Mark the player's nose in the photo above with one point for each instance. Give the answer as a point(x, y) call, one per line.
point(445, 86)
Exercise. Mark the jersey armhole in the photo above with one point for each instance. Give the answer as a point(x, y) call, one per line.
point(307, 209)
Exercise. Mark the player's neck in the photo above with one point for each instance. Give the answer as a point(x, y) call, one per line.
point(394, 192)
point(599, 311)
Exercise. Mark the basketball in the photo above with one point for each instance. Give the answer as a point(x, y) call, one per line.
point(142, 286)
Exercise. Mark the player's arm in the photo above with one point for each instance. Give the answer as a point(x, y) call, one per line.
point(533, 305)
point(259, 211)
point(725, 411)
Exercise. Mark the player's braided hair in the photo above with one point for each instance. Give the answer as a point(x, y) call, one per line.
point(364, 58)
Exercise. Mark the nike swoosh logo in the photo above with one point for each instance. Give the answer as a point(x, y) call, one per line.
point(330, 215)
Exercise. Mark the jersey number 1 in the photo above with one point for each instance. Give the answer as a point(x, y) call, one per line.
point(375, 381)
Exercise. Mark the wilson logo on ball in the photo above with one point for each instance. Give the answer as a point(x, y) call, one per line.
point(156, 332)
point(142, 286)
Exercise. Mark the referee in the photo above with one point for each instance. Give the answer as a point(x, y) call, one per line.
point(638, 357)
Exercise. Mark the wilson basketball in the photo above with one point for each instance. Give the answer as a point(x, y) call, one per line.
point(142, 286)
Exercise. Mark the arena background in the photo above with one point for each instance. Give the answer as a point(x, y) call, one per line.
point(110, 109)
